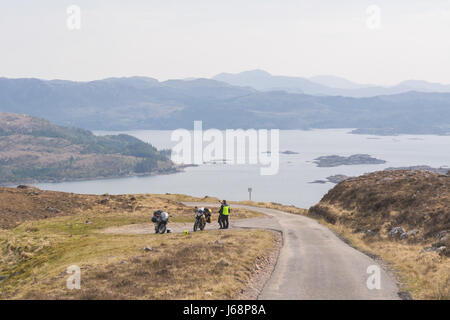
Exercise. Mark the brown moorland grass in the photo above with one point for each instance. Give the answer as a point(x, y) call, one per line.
point(18, 205)
point(37, 245)
point(380, 201)
point(35, 255)
point(270, 205)
point(274, 205)
point(205, 265)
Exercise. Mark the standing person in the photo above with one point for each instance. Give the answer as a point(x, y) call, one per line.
point(223, 215)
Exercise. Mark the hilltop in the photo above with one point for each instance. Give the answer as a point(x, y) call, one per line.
point(33, 149)
point(382, 201)
point(400, 216)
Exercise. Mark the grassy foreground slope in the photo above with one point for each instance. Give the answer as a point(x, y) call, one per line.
point(36, 250)
point(33, 149)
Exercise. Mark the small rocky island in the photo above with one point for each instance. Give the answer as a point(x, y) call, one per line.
point(335, 161)
point(337, 178)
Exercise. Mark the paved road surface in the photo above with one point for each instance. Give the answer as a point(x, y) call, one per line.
point(314, 263)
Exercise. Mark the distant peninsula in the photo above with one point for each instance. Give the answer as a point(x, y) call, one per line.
point(35, 150)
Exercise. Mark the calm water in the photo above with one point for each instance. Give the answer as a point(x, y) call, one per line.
point(291, 185)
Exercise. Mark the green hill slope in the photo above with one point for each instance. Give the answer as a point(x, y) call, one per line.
point(33, 149)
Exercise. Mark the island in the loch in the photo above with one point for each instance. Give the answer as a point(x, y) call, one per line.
point(335, 160)
point(337, 178)
point(288, 152)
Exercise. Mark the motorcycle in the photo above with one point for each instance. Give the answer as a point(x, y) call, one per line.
point(161, 227)
point(160, 219)
point(200, 221)
point(201, 218)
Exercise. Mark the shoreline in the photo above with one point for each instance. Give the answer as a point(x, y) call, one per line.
point(173, 170)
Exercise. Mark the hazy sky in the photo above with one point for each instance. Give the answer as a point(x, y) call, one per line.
point(200, 38)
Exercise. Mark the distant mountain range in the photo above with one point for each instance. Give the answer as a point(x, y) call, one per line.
point(145, 103)
point(324, 85)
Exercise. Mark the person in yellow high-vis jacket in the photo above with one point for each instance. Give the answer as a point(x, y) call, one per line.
point(224, 212)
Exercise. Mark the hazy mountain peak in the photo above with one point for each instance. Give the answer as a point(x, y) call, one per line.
point(194, 82)
point(256, 72)
point(423, 85)
point(252, 73)
point(336, 82)
point(262, 80)
point(321, 85)
point(135, 81)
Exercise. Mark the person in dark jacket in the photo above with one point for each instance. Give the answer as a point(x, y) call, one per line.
point(224, 212)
